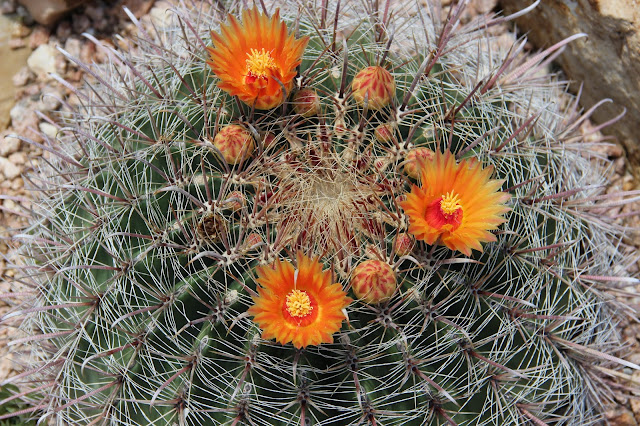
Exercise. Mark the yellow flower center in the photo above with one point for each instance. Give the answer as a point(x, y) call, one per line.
point(450, 204)
point(259, 62)
point(298, 303)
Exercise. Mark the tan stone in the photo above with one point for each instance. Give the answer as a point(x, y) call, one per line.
point(47, 12)
point(607, 60)
point(620, 416)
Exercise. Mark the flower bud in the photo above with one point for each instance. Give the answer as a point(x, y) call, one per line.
point(376, 84)
point(306, 102)
point(235, 201)
point(373, 281)
point(235, 143)
point(384, 132)
point(404, 244)
point(414, 160)
point(269, 140)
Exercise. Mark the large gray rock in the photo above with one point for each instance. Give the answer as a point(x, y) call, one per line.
point(47, 12)
point(607, 61)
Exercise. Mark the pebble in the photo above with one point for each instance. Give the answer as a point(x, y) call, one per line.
point(160, 14)
point(43, 60)
point(8, 145)
point(635, 407)
point(20, 31)
point(39, 36)
point(16, 43)
point(73, 46)
point(139, 7)
point(22, 77)
point(9, 169)
point(64, 30)
point(620, 416)
point(51, 99)
point(48, 129)
point(7, 7)
point(81, 23)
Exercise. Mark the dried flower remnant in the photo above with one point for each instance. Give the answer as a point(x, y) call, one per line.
point(456, 204)
point(256, 60)
point(300, 305)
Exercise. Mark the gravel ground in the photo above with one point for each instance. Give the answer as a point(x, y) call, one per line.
point(36, 93)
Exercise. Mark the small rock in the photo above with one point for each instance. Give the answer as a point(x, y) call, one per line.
point(43, 60)
point(620, 416)
point(138, 7)
point(160, 14)
point(61, 64)
point(9, 145)
point(20, 31)
point(634, 358)
point(48, 129)
point(87, 53)
point(47, 12)
point(51, 99)
point(24, 15)
point(63, 31)
point(635, 407)
point(8, 169)
point(24, 120)
point(39, 36)
point(73, 46)
point(7, 7)
point(16, 43)
point(22, 77)
point(80, 23)
point(17, 184)
point(18, 158)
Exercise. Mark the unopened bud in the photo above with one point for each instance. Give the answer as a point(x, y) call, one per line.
point(404, 244)
point(269, 140)
point(252, 240)
point(376, 84)
point(235, 201)
point(373, 281)
point(235, 143)
point(415, 159)
point(306, 102)
point(384, 132)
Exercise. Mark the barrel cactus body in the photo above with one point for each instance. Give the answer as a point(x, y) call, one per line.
point(336, 213)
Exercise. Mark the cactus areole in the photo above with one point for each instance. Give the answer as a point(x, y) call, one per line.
point(339, 215)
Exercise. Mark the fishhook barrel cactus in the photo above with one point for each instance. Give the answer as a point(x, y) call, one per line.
point(328, 213)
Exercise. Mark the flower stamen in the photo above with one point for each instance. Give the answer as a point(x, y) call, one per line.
point(450, 204)
point(298, 303)
point(259, 63)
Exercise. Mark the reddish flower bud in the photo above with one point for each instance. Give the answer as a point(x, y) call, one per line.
point(376, 84)
point(415, 159)
point(384, 132)
point(306, 102)
point(404, 244)
point(235, 143)
point(373, 281)
point(269, 140)
point(235, 200)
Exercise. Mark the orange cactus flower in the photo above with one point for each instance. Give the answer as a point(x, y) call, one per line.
point(300, 306)
point(457, 204)
point(255, 59)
